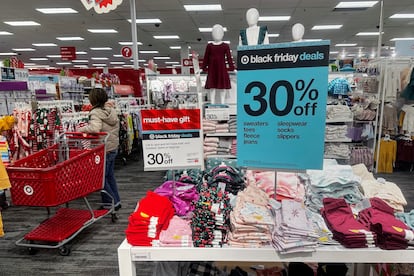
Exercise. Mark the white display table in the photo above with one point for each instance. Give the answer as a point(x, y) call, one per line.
point(128, 255)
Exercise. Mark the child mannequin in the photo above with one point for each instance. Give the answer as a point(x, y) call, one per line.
point(254, 34)
point(215, 57)
point(298, 30)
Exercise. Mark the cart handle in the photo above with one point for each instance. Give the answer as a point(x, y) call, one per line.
point(84, 135)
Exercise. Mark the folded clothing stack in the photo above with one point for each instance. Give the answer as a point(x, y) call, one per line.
point(153, 214)
point(251, 219)
point(391, 232)
point(344, 226)
point(211, 145)
point(336, 133)
point(178, 233)
point(338, 112)
point(335, 181)
point(181, 194)
point(293, 231)
point(210, 221)
point(232, 123)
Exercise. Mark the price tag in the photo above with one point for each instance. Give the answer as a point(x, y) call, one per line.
point(141, 256)
point(217, 114)
point(282, 105)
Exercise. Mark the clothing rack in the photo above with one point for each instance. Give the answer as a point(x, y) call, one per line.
point(385, 65)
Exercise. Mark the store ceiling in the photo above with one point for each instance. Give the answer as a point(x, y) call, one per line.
point(177, 21)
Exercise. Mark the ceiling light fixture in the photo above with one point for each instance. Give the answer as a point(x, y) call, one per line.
point(273, 35)
point(80, 61)
point(209, 29)
point(101, 48)
point(8, 54)
point(5, 33)
point(54, 56)
point(102, 31)
point(326, 27)
point(128, 43)
point(81, 53)
point(22, 23)
point(38, 59)
point(147, 21)
point(203, 7)
point(346, 44)
point(99, 58)
point(172, 62)
point(402, 38)
point(63, 63)
point(161, 57)
point(69, 38)
point(23, 49)
point(44, 44)
point(402, 16)
point(356, 5)
point(166, 36)
point(175, 47)
point(118, 55)
point(274, 18)
point(225, 41)
point(57, 10)
point(118, 62)
point(367, 33)
point(148, 52)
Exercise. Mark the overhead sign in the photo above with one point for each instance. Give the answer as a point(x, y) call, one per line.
point(68, 53)
point(101, 6)
point(404, 48)
point(171, 139)
point(126, 52)
point(281, 108)
point(7, 73)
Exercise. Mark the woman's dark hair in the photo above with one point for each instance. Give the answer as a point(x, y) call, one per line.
point(98, 97)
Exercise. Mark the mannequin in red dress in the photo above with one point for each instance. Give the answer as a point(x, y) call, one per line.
point(214, 63)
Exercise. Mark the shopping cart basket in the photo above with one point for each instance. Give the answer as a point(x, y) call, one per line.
point(74, 167)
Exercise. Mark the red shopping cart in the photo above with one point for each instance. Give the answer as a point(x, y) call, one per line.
point(73, 168)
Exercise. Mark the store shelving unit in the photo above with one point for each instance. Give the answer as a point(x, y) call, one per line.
point(129, 255)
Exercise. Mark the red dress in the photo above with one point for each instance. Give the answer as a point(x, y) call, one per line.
point(214, 63)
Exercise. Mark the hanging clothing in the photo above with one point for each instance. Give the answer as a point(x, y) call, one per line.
point(260, 37)
point(215, 58)
point(4, 177)
point(390, 118)
point(387, 156)
point(408, 92)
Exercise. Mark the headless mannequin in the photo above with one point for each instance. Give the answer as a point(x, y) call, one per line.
point(298, 30)
point(254, 34)
point(217, 33)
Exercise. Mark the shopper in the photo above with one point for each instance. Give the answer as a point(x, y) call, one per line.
point(103, 118)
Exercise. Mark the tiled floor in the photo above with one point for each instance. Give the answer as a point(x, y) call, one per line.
point(94, 251)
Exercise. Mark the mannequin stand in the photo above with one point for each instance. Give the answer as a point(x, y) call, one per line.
point(217, 96)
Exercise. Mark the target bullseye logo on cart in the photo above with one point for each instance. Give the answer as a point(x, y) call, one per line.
point(97, 159)
point(28, 190)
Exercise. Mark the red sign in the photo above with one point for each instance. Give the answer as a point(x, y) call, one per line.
point(170, 119)
point(68, 53)
point(126, 52)
point(189, 62)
